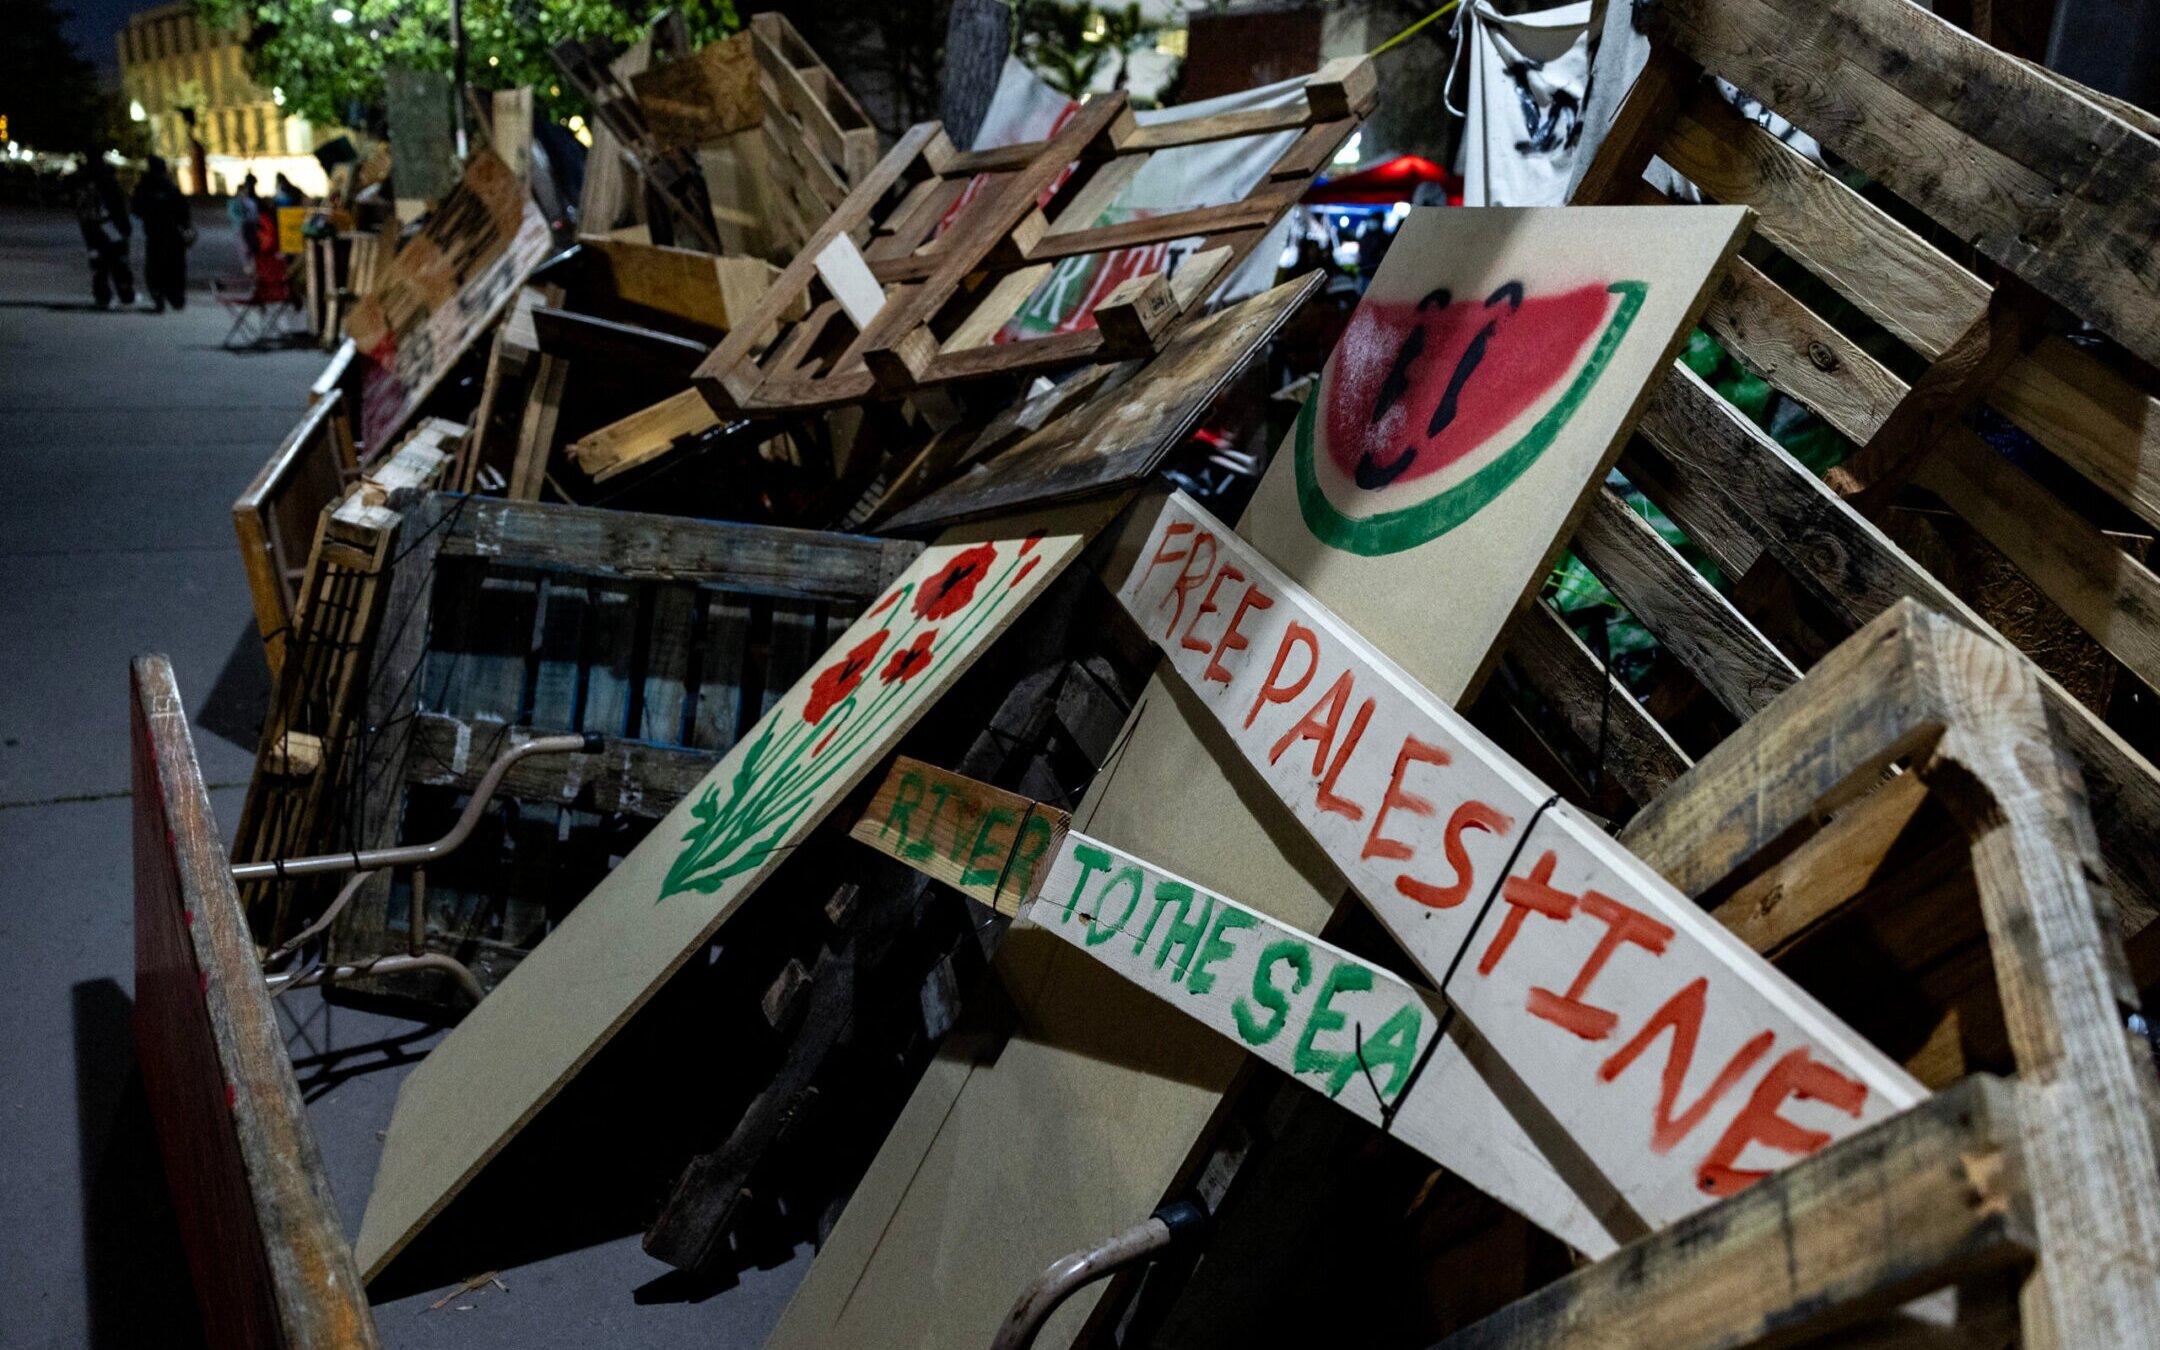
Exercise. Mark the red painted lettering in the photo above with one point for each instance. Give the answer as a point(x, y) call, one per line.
point(1413, 751)
point(1326, 798)
point(1162, 550)
point(1622, 924)
point(1471, 815)
point(1271, 690)
point(1796, 1075)
point(1683, 1012)
point(1524, 894)
point(1313, 727)
point(1207, 606)
point(1195, 572)
point(1232, 639)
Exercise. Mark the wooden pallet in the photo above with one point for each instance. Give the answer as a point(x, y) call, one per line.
point(275, 517)
point(663, 636)
point(2001, 155)
point(819, 143)
point(299, 789)
point(269, 1259)
point(973, 234)
point(670, 171)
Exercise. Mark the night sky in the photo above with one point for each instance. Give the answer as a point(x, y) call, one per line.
point(93, 26)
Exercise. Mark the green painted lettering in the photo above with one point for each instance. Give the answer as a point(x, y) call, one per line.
point(1098, 932)
point(1255, 1031)
point(1165, 892)
point(1349, 977)
point(1024, 859)
point(1185, 935)
point(985, 876)
point(920, 849)
point(1091, 860)
point(906, 798)
point(1394, 1048)
point(1200, 979)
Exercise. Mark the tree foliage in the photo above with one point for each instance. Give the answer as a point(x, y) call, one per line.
point(331, 72)
point(1067, 42)
point(48, 91)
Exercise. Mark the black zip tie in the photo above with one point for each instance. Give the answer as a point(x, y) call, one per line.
point(1010, 854)
point(1447, 1015)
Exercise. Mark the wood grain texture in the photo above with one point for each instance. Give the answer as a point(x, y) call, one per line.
point(1917, 1203)
point(1893, 275)
point(634, 777)
point(948, 826)
point(634, 546)
point(270, 1263)
point(1124, 434)
point(1851, 567)
point(1691, 618)
point(274, 516)
point(2050, 185)
point(1639, 754)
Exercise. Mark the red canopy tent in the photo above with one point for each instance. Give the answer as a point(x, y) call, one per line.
point(1384, 183)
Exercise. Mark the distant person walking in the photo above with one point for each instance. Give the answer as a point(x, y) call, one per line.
point(167, 234)
point(245, 213)
point(101, 210)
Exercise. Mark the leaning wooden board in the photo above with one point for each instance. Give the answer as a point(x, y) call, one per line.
point(443, 289)
point(672, 893)
point(928, 1253)
point(269, 1261)
point(1569, 957)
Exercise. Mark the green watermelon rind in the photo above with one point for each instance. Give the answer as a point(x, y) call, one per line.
point(1410, 526)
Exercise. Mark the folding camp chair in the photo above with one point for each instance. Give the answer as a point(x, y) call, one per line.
point(268, 313)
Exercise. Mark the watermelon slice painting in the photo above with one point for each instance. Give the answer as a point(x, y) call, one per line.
point(1431, 407)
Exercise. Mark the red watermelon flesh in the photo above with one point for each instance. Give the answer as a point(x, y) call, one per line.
point(1467, 366)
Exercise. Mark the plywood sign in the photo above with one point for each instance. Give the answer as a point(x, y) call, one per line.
point(667, 899)
point(1489, 375)
point(1679, 1063)
point(442, 290)
point(985, 842)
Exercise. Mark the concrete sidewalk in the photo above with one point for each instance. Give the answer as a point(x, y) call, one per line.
point(124, 437)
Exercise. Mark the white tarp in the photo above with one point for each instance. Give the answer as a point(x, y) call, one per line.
point(1528, 77)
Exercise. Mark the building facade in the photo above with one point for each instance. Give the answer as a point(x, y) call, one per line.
point(168, 59)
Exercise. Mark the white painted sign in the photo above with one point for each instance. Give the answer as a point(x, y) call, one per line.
point(1341, 1026)
point(1678, 1063)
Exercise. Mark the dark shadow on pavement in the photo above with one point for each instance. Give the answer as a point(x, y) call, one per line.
point(135, 1272)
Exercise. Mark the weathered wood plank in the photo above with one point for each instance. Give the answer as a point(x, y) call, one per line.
point(1639, 754)
point(2044, 182)
point(948, 827)
point(1848, 564)
point(1699, 626)
point(632, 546)
point(1917, 1203)
point(634, 777)
point(264, 1244)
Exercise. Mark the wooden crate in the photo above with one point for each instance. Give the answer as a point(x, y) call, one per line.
point(267, 1253)
point(300, 786)
point(664, 637)
point(819, 143)
point(275, 517)
point(915, 296)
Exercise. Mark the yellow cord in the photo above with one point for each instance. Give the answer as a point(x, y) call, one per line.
point(1407, 33)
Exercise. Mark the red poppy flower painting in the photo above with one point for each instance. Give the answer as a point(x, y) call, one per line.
point(911, 660)
point(840, 679)
point(947, 593)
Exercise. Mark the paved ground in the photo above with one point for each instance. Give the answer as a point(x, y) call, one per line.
point(124, 437)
